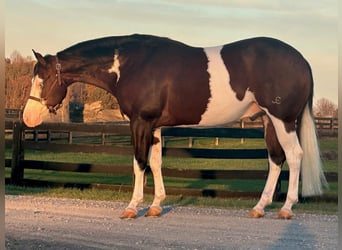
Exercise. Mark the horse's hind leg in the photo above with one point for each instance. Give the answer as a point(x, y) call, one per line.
point(276, 158)
point(288, 139)
point(155, 164)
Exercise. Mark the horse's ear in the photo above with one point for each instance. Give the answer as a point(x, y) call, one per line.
point(39, 58)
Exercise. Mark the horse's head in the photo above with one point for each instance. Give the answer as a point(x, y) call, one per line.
point(47, 92)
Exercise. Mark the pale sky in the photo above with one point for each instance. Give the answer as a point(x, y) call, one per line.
point(49, 26)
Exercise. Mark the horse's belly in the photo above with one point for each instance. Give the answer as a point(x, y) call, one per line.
point(223, 106)
point(225, 112)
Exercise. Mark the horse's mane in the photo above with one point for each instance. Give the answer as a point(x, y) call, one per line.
point(107, 45)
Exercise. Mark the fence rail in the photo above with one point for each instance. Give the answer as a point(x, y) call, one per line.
point(50, 131)
point(329, 123)
point(13, 114)
point(322, 123)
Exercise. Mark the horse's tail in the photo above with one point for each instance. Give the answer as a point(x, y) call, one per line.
point(312, 172)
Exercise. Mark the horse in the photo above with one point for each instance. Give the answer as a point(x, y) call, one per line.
point(161, 82)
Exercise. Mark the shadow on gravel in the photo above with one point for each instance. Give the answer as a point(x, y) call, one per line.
point(166, 209)
point(295, 236)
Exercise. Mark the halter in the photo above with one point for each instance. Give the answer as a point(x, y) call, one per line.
point(52, 109)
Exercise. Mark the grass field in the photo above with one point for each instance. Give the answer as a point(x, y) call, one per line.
point(327, 144)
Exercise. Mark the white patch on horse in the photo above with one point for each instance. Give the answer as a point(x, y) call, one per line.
point(116, 66)
point(294, 153)
point(34, 110)
point(36, 88)
point(223, 106)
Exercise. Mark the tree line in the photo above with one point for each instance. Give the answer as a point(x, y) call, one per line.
point(19, 73)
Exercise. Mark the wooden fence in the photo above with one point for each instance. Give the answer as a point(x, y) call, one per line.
point(42, 137)
point(13, 114)
point(322, 123)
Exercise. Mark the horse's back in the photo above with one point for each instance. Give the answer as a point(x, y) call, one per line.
point(184, 85)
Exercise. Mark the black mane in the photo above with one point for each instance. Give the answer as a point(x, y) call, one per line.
point(106, 46)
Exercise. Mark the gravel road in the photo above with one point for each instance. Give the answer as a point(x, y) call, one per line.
point(51, 223)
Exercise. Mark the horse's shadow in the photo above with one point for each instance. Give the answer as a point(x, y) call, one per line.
point(295, 236)
point(166, 210)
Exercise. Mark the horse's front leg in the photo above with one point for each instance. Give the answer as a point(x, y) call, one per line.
point(155, 164)
point(142, 140)
point(138, 193)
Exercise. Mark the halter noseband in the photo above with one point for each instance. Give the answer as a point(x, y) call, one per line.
point(52, 109)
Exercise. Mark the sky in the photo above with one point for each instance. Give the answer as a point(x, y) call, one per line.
point(49, 26)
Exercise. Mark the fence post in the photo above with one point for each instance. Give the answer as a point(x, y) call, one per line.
point(17, 168)
point(163, 141)
point(190, 142)
point(103, 138)
point(48, 136)
point(242, 125)
point(70, 137)
point(35, 135)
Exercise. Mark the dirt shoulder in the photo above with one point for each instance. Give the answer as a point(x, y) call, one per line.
point(51, 223)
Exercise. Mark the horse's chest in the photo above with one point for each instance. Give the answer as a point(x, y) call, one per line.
point(223, 106)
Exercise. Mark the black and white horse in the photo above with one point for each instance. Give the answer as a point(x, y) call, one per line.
point(161, 82)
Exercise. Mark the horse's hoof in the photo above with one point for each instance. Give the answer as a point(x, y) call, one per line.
point(254, 213)
point(285, 214)
point(154, 211)
point(129, 213)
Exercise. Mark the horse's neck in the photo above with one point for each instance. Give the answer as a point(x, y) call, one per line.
point(92, 77)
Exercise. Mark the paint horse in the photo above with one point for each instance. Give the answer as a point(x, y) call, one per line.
point(161, 82)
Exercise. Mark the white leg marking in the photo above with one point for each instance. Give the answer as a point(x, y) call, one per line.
point(116, 66)
point(267, 194)
point(138, 192)
point(156, 163)
point(220, 107)
point(293, 153)
point(271, 183)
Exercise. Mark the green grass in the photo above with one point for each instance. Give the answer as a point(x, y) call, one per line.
point(199, 142)
point(328, 143)
point(183, 163)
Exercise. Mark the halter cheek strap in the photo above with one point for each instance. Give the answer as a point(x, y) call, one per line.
point(58, 70)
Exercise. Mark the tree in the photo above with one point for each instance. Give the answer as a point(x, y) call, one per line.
point(93, 94)
point(325, 108)
point(18, 75)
